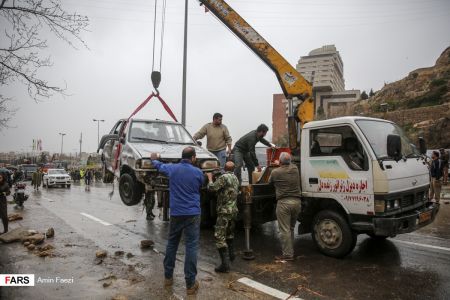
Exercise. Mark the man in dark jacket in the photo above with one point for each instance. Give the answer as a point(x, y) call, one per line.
point(185, 181)
point(244, 151)
point(436, 177)
point(444, 157)
point(4, 191)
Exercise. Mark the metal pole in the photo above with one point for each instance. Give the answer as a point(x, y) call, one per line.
point(62, 143)
point(183, 99)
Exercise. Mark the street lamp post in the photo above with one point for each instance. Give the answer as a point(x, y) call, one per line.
point(98, 130)
point(62, 143)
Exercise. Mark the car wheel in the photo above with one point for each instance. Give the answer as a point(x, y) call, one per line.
point(130, 190)
point(332, 234)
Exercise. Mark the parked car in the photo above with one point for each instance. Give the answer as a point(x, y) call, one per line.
point(28, 170)
point(136, 174)
point(56, 177)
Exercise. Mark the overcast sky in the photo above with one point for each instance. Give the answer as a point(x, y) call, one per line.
point(379, 41)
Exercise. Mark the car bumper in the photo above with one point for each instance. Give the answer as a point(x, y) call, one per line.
point(59, 182)
point(391, 226)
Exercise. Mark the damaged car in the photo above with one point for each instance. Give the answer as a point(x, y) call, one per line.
point(125, 154)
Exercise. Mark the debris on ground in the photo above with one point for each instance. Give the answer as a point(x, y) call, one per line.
point(119, 253)
point(107, 284)
point(46, 247)
point(111, 276)
point(130, 221)
point(101, 254)
point(136, 279)
point(15, 235)
point(45, 253)
point(130, 255)
point(50, 233)
point(145, 244)
point(119, 297)
point(36, 239)
point(207, 279)
point(98, 261)
point(31, 247)
point(26, 244)
point(14, 217)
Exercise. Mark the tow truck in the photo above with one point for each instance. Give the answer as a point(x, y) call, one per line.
point(358, 175)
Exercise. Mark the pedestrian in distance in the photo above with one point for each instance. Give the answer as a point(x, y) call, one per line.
point(218, 139)
point(4, 191)
point(244, 151)
point(436, 172)
point(227, 188)
point(286, 180)
point(36, 179)
point(444, 157)
point(88, 180)
point(185, 181)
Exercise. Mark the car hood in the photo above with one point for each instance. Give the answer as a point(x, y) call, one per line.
point(169, 151)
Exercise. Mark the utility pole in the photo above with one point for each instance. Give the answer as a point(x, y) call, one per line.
point(98, 130)
point(183, 100)
point(62, 143)
point(81, 142)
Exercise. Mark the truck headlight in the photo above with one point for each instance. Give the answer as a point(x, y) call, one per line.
point(397, 203)
point(210, 164)
point(146, 164)
point(388, 205)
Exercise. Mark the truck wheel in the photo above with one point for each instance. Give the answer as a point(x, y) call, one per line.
point(130, 190)
point(332, 234)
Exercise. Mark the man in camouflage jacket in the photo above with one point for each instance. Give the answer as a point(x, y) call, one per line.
point(227, 188)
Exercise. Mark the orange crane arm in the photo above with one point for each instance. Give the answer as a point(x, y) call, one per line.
point(293, 84)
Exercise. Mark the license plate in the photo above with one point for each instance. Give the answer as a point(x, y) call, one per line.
point(426, 216)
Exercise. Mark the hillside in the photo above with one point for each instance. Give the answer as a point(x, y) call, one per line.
point(420, 103)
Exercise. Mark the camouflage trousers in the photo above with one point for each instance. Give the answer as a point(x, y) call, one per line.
point(224, 229)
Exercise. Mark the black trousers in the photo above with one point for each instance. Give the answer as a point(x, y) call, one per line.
point(4, 213)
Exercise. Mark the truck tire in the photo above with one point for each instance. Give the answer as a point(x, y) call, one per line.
point(332, 234)
point(130, 190)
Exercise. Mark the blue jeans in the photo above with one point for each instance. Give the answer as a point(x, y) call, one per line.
point(190, 225)
point(221, 155)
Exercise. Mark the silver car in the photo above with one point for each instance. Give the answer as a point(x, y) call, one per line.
point(55, 177)
point(130, 146)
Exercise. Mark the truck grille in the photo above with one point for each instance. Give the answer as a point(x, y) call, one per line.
point(412, 199)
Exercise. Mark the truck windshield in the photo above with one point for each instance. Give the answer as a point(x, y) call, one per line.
point(376, 133)
point(158, 132)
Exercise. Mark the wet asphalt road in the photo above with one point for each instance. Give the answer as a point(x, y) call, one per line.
point(411, 266)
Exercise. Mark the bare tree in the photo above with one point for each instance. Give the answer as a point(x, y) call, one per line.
point(24, 24)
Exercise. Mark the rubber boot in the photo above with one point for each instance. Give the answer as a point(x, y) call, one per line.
point(225, 265)
point(231, 249)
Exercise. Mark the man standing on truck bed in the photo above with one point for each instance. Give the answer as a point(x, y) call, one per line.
point(286, 180)
point(218, 139)
point(244, 151)
point(227, 188)
point(185, 181)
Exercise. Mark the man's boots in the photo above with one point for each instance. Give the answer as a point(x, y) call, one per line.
point(5, 225)
point(225, 265)
point(231, 249)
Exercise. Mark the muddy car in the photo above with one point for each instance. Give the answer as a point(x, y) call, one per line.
point(130, 146)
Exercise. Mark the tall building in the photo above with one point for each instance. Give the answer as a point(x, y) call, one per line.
point(323, 67)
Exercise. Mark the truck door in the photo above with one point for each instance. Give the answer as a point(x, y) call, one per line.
point(336, 166)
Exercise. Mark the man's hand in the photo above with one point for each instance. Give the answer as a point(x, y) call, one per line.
point(258, 168)
point(276, 162)
point(155, 156)
point(210, 176)
point(228, 152)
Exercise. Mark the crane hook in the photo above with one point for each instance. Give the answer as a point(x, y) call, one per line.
point(156, 80)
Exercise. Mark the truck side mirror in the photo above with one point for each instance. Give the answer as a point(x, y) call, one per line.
point(394, 146)
point(422, 146)
point(199, 143)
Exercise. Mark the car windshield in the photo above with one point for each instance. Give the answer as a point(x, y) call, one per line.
point(377, 132)
point(158, 132)
point(57, 172)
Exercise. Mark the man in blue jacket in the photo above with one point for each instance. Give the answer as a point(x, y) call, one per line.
point(185, 181)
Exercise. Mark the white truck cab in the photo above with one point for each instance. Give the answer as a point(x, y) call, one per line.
point(360, 175)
